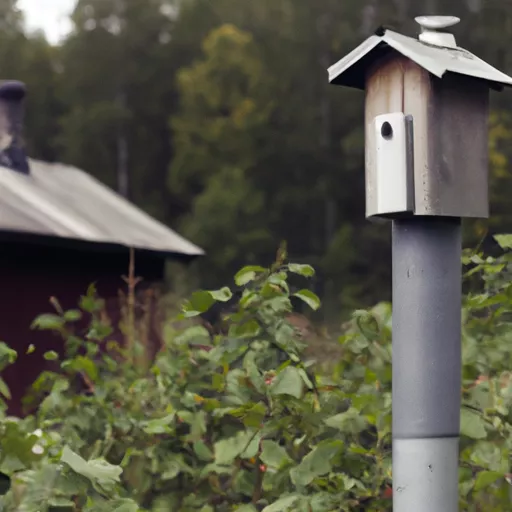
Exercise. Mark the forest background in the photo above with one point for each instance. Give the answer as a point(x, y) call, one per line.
point(216, 117)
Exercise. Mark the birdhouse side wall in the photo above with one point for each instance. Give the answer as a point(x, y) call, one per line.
point(450, 116)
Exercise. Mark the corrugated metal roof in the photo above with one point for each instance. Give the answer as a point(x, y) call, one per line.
point(63, 201)
point(350, 70)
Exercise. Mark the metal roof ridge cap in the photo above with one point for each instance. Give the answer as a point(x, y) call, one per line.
point(431, 64)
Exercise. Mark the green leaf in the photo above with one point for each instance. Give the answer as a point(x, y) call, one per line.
point(367, 324)
point(82, 364)
point(73, 315)
point(302, 270)
point(202, 451)
point(216, 469)
point(486, 478)
point(254, 415)
point(504, 241)
point(246, 508)
point(31, 349)
point(222, 295)
point(99, 331)
point(278, 280)
point(160, 425)
point(202, 301)
point(472, 424)
point(4, 389)
point(173, 468)
point(61, 505)
point(16, 447)
point(121, 505)
point(489, 456)
point(51, 355)
point(247, 274)
point(316, 463)
point(252, 445)
point(199, 302)
point(227, 450)
point(310, 298)
point(244, 444)
point(96, 470)
point(195, 334)
point(306, 378)
point(197, 422)
point(248, 329)
point(90, 302)
point(326, 501)
point(283, 504)
point(350, 420)
point(288, 382)
point(7, 356)
point(48, 322)
point(274, 455)
point(254, 374)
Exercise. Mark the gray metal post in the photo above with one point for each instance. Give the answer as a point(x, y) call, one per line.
point(426, 363)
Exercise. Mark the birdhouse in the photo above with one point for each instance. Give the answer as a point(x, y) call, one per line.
point(426, 121)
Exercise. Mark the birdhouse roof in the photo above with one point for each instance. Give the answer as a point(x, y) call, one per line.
point(351, 70)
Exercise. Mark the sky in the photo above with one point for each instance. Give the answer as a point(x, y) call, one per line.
point(48, 15)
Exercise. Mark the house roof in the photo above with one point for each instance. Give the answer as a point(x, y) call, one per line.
point(61, 201)
point(351, 70)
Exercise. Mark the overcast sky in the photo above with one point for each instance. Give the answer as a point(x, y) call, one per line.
point(49, 15)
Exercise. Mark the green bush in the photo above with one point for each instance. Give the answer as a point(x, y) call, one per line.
point(244, 421)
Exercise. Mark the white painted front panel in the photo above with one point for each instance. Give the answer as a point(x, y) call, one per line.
point(391, 165)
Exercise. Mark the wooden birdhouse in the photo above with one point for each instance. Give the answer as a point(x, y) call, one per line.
point(426, 107)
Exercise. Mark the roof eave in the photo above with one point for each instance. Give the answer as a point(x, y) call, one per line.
point(48, 239)
point(354, 57)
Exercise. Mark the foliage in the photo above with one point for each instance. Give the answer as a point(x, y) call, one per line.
point(39, 472)
point(487, 384)
point(243, 420)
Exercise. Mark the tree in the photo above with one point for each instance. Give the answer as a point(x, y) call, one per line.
point(118, 92)
point(30, 59)
point(217, 139)
point(306, 159)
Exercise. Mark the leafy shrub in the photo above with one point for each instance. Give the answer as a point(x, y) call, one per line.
point(39, 472)
point(244, 420)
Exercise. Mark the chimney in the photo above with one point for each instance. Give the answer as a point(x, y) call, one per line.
point(12, 148)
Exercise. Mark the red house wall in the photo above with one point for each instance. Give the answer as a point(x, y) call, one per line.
point(30, 274)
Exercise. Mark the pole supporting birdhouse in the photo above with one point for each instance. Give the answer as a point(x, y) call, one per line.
point(426, 113)
point(426, 363)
